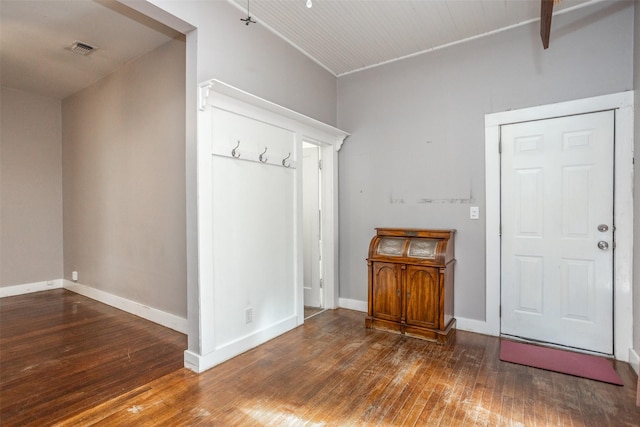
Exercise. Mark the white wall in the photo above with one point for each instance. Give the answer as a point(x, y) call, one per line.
point(250, 234)
point(416, 154)
point(31, 181)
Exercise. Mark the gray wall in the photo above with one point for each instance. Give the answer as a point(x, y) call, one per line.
point(124, 182)
point(416, 154)
point(31, 188)
point(253, 59)
point(636, 195)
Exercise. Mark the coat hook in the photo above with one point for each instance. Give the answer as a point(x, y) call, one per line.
point(234, 152)
point(262, 156)
point(284, 161)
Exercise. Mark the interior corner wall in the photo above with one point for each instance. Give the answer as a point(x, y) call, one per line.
point(636, 195)
point(416, 154)
point(31, 188)
point(255, 60)
point(123, 142)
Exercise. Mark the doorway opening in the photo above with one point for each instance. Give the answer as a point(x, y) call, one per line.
point(312, 229)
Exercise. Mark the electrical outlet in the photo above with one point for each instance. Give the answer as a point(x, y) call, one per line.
point(248, 315)
point(74, 276)
point(474, 212)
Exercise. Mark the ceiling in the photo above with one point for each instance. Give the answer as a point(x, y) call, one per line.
point(35, 37)
point(349, 35)
point(342, 36)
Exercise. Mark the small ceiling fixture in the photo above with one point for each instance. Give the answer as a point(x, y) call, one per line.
point(82, 48)
point(248, 19)
point(309, 4)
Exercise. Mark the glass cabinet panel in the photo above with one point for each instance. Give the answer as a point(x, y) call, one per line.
point(391, 246)
point(423, 248)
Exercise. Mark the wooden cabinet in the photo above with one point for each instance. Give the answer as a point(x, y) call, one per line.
point(411, 283)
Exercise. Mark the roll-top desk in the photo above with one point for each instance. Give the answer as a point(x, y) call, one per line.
point(411, 283)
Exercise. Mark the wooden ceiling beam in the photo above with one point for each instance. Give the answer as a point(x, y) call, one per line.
point(546, 10)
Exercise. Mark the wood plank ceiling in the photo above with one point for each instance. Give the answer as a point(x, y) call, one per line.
point(343, 36)
point(349, 35)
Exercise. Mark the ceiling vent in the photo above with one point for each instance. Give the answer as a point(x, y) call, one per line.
point(82, 48)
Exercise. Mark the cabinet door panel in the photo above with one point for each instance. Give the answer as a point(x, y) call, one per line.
point(423, 296)
point(387, 300)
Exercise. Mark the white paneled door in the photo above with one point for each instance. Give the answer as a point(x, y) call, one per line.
point(557, 231)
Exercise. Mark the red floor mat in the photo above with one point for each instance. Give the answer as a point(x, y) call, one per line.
point(566, 362)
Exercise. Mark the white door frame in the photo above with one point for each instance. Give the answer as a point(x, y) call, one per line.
point(317, 239)
point(622, 103)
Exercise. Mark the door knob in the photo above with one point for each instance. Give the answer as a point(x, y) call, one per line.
point(603, 245)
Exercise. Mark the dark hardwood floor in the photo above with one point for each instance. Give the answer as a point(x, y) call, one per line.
point(67, 360)
point(62, 353)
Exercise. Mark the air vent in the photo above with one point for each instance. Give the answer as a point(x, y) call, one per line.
point(82, 48)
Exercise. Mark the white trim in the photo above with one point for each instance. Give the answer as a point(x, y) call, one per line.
point(160, 317)
point(200, 363)
point(213, 94)
point(462, 324)
point(309, 124)
point(473, 325)
point(353, 304)
point(634, 360)
point(27, 288)
point(623, 265)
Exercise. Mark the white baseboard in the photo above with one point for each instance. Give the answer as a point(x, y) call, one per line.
point(200, 363)
point(163, 318)
point(477, 326)
point(353, 304)
point(634, 360)
point(27, 288)
point(470, 325)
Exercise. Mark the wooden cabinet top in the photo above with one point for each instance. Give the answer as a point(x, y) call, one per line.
point(412, 246)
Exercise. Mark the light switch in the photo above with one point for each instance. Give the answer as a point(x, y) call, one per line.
point(474, 212)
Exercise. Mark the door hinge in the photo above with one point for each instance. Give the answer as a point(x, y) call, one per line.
point(500, 311)
point(500, 145)
point(321, 283)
